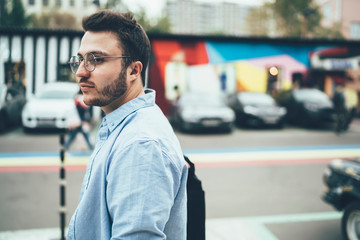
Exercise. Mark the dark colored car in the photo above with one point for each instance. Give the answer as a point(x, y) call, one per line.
point(342, 180)
point(201, 111)
point(255, 109)
point(12, 102)
point(307, 107)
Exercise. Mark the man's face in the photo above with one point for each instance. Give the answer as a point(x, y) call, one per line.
point(107, 84)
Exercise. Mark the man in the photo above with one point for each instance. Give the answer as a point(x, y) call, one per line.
point(135, 182)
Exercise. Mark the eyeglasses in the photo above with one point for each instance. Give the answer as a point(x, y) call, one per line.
point(90, 61)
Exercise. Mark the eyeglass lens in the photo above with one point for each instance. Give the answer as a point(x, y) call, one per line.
point(89, 61)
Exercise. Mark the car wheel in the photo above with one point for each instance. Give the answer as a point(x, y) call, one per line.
point(350, 223)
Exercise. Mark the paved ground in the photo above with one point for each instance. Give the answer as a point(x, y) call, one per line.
point(231, 228)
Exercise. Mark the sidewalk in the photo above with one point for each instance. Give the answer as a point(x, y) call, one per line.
point(237, 228)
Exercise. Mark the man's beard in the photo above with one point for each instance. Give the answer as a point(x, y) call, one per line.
point(111, 92)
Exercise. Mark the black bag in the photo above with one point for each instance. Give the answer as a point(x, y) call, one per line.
point(195, 205)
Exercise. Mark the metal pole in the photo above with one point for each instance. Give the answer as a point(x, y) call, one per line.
point(62, 188)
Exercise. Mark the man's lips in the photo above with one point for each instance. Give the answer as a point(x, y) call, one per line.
point(85, 86)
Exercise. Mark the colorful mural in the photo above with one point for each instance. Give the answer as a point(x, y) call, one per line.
point(195, 63)
point(219, 66)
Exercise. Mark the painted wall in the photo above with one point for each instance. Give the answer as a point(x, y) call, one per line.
point(178, 63)
point(220, 66)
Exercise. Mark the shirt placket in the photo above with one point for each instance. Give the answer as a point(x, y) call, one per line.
point(103, 135)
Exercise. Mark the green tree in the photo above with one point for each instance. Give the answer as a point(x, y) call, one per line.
point(54, 20)
point(13, 14)
point(296, 18)
point(154, 25)
point(330, 32)
point(115, 4)
point(259, 20)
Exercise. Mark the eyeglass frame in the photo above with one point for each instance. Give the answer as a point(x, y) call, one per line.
point(83, 59)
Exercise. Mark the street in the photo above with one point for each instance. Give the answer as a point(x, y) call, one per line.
point(259, 184)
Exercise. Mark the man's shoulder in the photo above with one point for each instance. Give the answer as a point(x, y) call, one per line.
point(142, 133)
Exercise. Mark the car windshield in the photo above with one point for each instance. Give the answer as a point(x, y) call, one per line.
point(201, 100)
point(314, 95)
point(255, 99)
point(56, 94)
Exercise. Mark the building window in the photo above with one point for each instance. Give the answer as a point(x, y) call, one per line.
point(58, 3)
point(45, 3)
point(85, 3)
point(31, 2)
point(355, 30)
point(72, 3)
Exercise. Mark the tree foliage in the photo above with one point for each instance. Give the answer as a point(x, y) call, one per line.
point(54, 20)
point(157, 25)
point(296, 18)
point(13, 14)
point(259, 21)
point(330, 32)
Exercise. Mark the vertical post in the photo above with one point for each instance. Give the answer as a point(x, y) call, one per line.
point(62, 188)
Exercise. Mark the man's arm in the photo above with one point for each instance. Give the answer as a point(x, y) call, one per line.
point(142, 183)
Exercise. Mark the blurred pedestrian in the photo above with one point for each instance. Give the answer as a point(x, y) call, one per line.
point(82, 125)
point(341, 112)
point(135, 182)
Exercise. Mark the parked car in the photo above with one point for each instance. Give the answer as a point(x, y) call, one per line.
point(256, 109)
point(307, 107)
point(12, 102)
point(51, 107)
point(342, 191)
point(200, 111)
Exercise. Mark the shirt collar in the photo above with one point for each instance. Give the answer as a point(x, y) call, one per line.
point(114, 118)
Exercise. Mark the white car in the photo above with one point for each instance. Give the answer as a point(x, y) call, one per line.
point(202, 111)
point(51, 107)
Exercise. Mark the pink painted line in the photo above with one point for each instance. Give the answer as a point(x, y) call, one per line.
point(198, 165)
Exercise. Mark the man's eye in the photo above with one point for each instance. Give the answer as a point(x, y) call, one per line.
point(99, 59)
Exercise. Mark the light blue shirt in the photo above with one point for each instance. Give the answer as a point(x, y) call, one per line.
point(135, 182)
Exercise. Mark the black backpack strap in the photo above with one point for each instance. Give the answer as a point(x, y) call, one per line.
point(195, 205)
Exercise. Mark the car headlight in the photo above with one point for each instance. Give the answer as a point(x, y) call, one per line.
point(189, 115)
point(251, 110)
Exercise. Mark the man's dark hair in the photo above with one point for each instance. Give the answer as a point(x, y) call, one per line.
point(132, 38)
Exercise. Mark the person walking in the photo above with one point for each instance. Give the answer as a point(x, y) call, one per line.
point(135, 183)
point(341, 112)
point(83, 126)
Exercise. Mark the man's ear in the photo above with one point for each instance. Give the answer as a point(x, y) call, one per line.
point(135, 69)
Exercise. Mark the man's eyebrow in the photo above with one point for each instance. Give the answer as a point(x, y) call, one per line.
point(94, 52)
point(99, 53)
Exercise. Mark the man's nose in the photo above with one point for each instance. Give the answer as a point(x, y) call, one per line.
point(82, 71)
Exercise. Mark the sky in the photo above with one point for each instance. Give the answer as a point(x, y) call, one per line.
point(154, 7)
